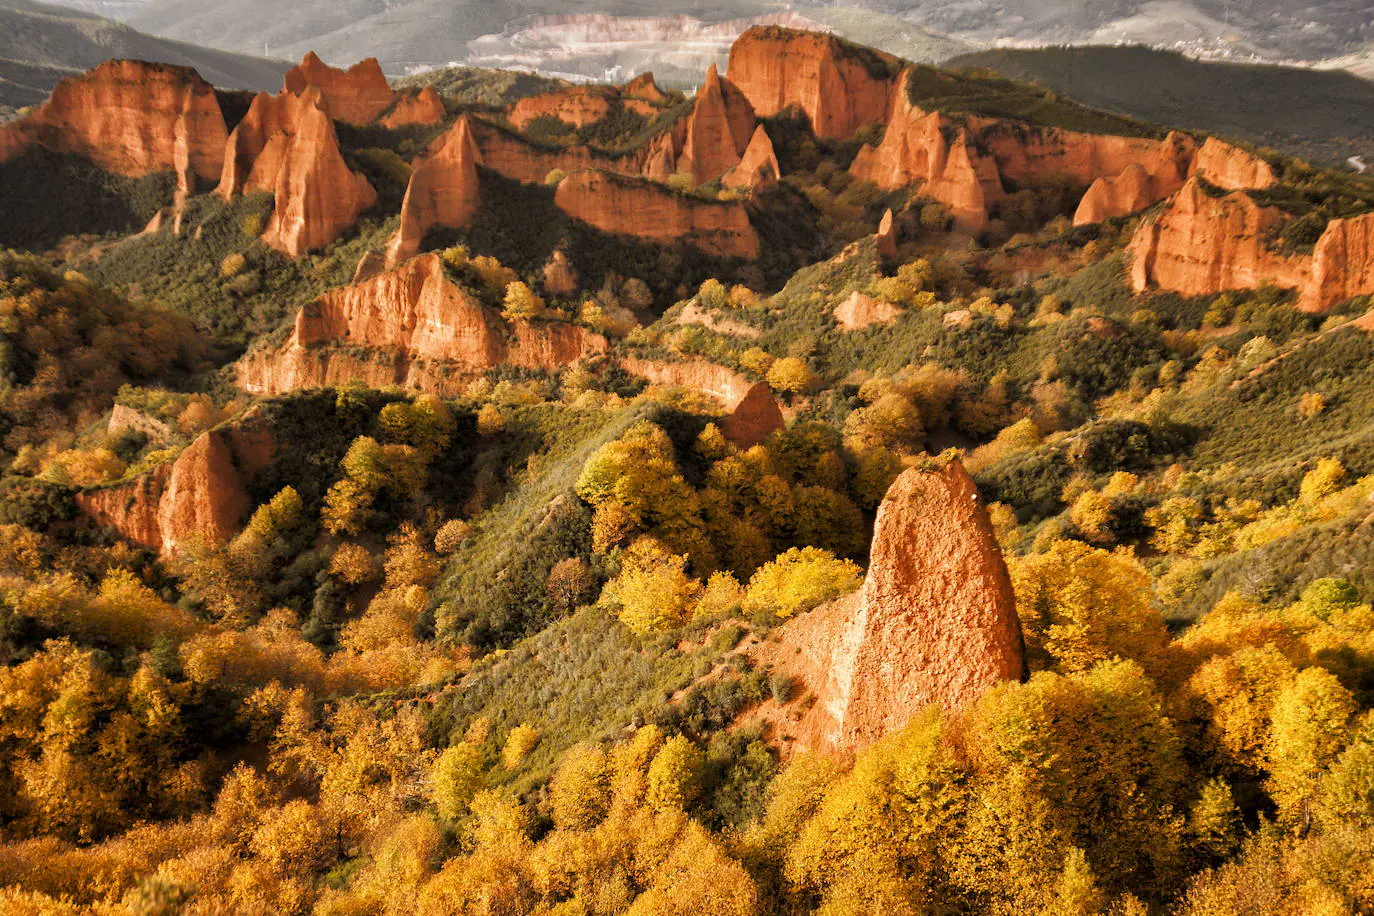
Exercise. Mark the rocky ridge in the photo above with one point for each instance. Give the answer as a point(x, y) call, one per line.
point(413, 327)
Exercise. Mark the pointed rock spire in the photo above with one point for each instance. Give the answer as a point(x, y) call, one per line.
point(443, 191)
point(759, 164)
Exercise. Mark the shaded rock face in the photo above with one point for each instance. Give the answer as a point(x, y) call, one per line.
point(131, 118)
point(777, 68)
point(756, 417)
point(886, 236)
point(1202, 244)
point(420, 108)
point(357, 95)
point(624, 206)
point(860, 311)
point(443, 191)
point(758, 166)
point(203, 494)
point(935, 622)
point(316, 195)
point(517, 159)
point(412, 327)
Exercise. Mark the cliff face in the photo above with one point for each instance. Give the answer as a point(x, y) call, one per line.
point(411, 327)
point(715, 140)
point(443, 191)
point(423, 107)
point(753, 413)
point(929, 148)
point(316, 195)
point(1232, 168)
point(357, 95)
point(1342, 264)
point(776, 68)
point(861, 311)
point(966, 164)
point(579, 106)
point(1203, 244)
point(935, 622)
point(203, 494)
point(623, 206)
point(130, 118)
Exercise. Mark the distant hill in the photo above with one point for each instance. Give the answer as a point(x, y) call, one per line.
point(40, 44)
point(1321, 115)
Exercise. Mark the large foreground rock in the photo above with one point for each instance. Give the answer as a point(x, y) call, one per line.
point(934, 624)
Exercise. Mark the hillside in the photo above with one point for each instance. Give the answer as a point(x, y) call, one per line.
point(39, 44)
point(854, 487)
point(1324, 116)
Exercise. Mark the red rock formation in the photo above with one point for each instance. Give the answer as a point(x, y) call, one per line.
point(516, 158)
point(443, 191)
point(131, 118)
point(560, 277)
point(1109, 198)
point(886, 236)
point(724, 384)
point(317, 196)
point(1232, 168)
point(759, 165)
point(712, 148)
point(624, 206)
point(756, 417)
point(931, 149)
point(421, 108)
point(1203, 244)
point(839, 86)
point(935, 623)
point(267, 116)
point(203, 494)
point(645, 88)
point(860, 311)
point(357, 95)
point(1342, 264)
point(412, 327)
point(579, 106)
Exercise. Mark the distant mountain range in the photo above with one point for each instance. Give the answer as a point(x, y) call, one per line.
point(40, 44)
point(407, 34)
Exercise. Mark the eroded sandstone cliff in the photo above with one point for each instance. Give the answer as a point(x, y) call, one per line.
point(413, 327)
point(357, 95)
point(840, 87)
point(201, 495)
point(129, 117)
point(624, 206)
point(417, 108)
point(443, 191)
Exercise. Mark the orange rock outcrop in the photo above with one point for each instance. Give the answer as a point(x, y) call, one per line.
point(131, 118)
point(357, 95)
point(1232, 168)
point(201, 495)
point(862, 311)
point(752, 412)
point(412, 327)
point(840, 87)
point(934, 624)
point(1342, 264)
point(645, 88)
point(416, 109)
point(759, 164)
point(579, 106)
point(443, 191)
point(715, 139)
point(316, 195)
point(624, 206)
point(1202, 244)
